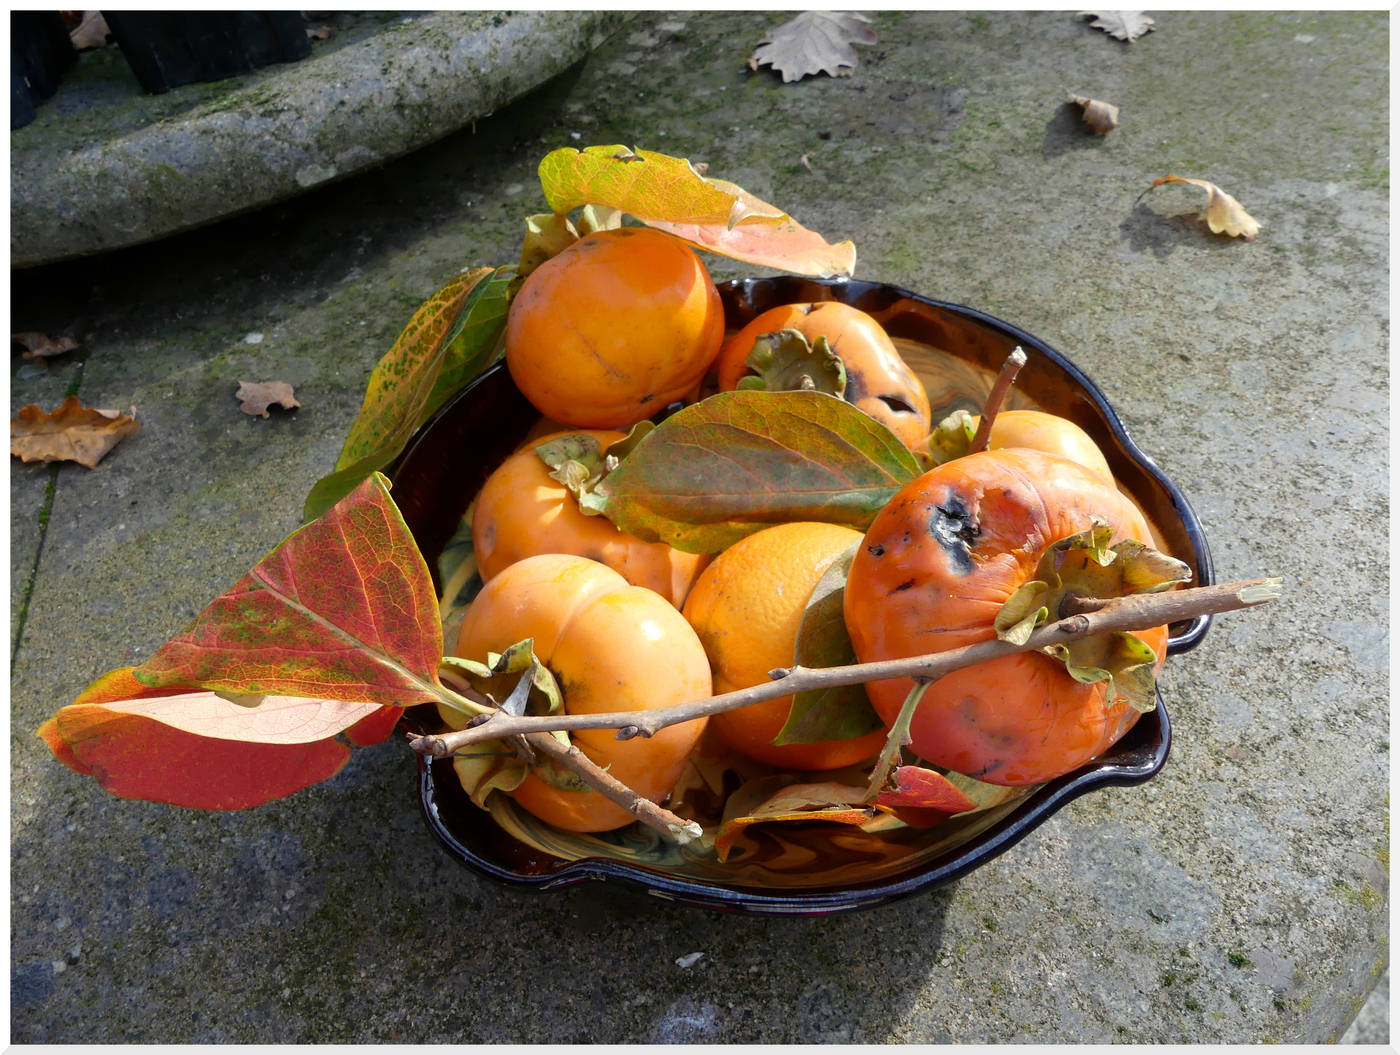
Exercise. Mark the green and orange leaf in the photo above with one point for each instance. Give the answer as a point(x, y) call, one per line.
point(768, 237)
point(668, 194)
point(738, 462)
point(451, 338)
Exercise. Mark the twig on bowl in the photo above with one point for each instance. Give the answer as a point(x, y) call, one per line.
point(677, 829)
point(1136, 612)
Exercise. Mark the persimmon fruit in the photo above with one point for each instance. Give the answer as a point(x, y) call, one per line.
point(611, 646)
point(1032, 429)
point(613, 328)
point(746, 608)
point(522, 511)
point(936, 566)
point(878, 381)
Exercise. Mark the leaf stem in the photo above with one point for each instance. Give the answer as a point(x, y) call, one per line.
point(899, 736)
point(996, 398)
point(1136, 612)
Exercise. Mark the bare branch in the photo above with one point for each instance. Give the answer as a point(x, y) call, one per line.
point(1137, 612)
point(675, 828)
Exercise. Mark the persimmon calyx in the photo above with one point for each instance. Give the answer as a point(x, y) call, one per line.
point(785, 362)
point(546, 236)
point(517, 683)
point(1084, 565)
point(952, 437)
point(581, 463)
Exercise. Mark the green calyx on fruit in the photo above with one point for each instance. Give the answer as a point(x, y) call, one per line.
point(580, 462)
point(786, 362)
point(952, 438)
point(1083, 565)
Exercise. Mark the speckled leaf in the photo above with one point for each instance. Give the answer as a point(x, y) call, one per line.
point(648, 185)
point(342, 609)
point(840, 713)
point(738, 462)
point(477, 340)
point(449, 340)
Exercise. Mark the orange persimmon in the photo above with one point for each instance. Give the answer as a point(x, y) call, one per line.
point(747, 608)
point(611, 647)
point(612, 329)
point(877, 379)
point(522, 511)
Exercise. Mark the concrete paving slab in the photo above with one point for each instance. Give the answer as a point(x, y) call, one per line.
point(106, 166)
point(1240, 897)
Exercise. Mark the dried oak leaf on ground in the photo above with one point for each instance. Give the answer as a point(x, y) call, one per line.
point(814, 42)
point(1101, 117)
point(257, 396)
point(1223, 213)
point(39, 346)
point(72, 433)
point(1125, 25)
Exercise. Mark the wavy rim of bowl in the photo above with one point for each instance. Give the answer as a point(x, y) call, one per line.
point(1126, 768)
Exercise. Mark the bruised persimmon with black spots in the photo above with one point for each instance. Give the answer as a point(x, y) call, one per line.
point(937, 566)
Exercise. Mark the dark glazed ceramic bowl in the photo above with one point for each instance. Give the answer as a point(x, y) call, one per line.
point(808, 870)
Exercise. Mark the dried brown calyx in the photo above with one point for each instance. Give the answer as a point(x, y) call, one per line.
point(1084, 566)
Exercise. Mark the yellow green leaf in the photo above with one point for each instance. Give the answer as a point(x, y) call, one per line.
point(650, 186)
point(397, 388)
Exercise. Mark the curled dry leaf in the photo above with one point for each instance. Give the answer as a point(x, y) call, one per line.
point(257, 396)
point(73, 433)
point(1125, 25)
point(1223, 213)
point(814, 42)
point(39, 346)
point(1101, 117)
point(319, 32)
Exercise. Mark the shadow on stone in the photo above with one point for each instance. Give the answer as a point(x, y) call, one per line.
point(1066, 132)
point(1148, 231)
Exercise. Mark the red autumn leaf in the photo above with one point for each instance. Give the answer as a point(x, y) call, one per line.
point(135, 757)
point(374, 728)
point(924, 789)
point(272, 720)
point(343, 609)
point(188, 747)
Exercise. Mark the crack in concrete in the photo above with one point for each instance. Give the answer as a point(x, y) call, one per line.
point(23, 616)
